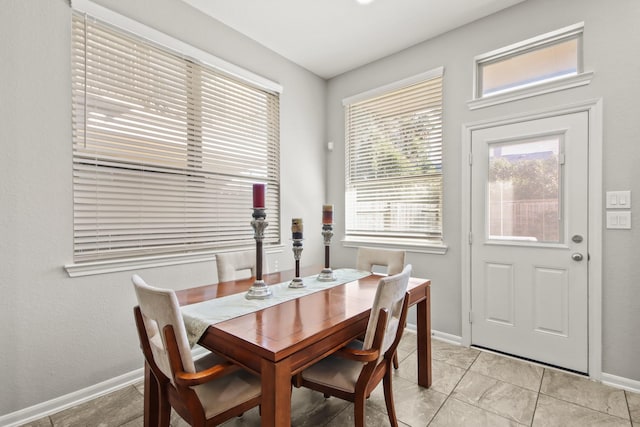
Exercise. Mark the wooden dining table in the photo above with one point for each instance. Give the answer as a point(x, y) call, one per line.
point(280, 341)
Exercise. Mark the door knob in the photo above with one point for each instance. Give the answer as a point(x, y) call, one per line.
point(576, 256)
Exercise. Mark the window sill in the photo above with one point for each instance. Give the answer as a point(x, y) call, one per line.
point(581, 79)
point(111, 266)
point(410, 245)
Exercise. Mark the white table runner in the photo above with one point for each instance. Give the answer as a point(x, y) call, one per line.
point(197, 317)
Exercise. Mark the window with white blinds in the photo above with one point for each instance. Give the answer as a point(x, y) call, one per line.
point(394, 162)
point(165, 150)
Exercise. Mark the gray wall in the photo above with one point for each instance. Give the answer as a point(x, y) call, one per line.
point(611, 40)
point(59, 334)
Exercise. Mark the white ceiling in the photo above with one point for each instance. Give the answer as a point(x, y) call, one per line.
point(329, 37)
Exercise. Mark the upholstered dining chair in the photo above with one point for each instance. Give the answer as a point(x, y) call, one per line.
point(368, 259)
point(237, 265)
point(205, 392)
point(355, 370)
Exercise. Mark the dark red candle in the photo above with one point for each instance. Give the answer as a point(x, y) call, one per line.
point(258, 196)
point(327, 214)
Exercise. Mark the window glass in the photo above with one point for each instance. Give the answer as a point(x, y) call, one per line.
point(542, 59)
point(165, 150)
point(394, 163)
point(528, 68)
point(524, 191)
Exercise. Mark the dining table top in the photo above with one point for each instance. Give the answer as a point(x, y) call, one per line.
point(281, 330)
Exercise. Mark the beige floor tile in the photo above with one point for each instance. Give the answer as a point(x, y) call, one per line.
point(507, 400)
point(138, 422)
point(409, 341)
point(113, 409)
point(455, 413)
point(310, 408)
point(140, 387)
point(445, 376)
point(42, 422)
point(552, 412)
point(403, 353)
point(373, 418)
point(251, 418)
point(633, 400)
point(452, 354)
point(414, 405)
point(584, 392)
point(408, 368)
point(509, 370)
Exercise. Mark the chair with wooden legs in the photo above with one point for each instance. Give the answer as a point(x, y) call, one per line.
point(355, 370)
point(206, 392)
point(369, 259)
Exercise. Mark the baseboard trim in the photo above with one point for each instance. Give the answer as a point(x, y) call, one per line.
point(75, 398)
point(443, 336)
point(621, 382)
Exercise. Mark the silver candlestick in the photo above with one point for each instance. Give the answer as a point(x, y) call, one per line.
point(297, 251)
point(327, 275)
point(259, 290)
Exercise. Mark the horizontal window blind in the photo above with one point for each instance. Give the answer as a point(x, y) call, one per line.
point(165, 150)
point(394, 163)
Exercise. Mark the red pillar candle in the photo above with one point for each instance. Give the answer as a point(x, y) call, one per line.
point(327, 214)
point(258, 196)
point(296, 228)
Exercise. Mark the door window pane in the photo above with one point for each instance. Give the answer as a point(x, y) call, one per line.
point(524, 191)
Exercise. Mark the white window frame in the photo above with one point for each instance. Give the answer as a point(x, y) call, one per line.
point(582, 77)
point(413, 244)
point(193, 54)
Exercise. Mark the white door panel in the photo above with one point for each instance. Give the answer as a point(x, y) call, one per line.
point(529, 198)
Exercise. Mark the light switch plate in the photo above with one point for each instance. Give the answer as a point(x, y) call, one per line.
point(618, 199)
point(619, 220)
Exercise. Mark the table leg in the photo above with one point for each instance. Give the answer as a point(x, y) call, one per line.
point(423, 324)
point(276, 393)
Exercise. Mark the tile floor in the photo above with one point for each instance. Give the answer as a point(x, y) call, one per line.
point(470, 388)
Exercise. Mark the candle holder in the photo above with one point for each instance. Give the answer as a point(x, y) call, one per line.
point(327, 275)
point(297, 251)
point(259, 290)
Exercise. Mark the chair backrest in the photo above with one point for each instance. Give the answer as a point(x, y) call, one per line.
point(159, 308)
point(389, 295)
point(368, 258)
point(237, 265)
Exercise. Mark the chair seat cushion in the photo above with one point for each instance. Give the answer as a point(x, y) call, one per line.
point(336, 372)
point(226, 392)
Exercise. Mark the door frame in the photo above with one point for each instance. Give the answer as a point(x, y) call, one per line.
point(593, 108)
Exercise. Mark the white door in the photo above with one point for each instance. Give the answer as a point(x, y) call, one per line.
point(529, 242)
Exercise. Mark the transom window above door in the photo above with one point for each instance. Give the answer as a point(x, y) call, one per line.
point(542, 64)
